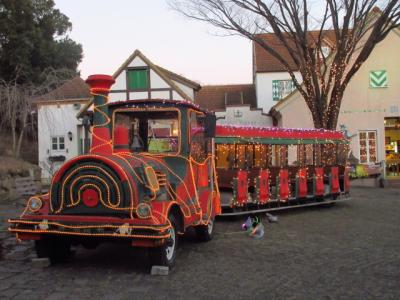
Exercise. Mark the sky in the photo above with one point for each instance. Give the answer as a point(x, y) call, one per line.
point(110, 31)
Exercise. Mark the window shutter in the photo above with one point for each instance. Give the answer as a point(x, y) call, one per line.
point(137, 79)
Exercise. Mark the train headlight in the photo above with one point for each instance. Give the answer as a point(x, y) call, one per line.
point(151, 178)
point(143, 210)
point(34, 204)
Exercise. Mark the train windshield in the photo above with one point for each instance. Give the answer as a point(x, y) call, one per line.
point(147, 131)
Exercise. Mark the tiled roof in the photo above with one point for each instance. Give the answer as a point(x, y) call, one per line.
point(217, 97)
point(265, 62)
point(76, 88)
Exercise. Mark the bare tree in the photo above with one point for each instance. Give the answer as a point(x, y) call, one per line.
point(301, 27)
point(17, 103)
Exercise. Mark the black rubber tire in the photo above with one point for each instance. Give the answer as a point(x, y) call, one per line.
point(205, 233)
point(159, 255)
point(90, 245)
point(57, 250)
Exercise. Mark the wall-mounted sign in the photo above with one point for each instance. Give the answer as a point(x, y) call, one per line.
point(238, 114)
point(378, 79)
point(281, 88)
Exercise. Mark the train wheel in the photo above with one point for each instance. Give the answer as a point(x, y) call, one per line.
point(166, 254)
point(57, 250)
point(205, 233)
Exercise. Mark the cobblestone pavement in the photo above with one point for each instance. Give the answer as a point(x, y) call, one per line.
point(348, 251)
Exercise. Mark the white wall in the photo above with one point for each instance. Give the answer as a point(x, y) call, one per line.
point(137, 62)
point(113, 97)
point(138, 95)
point(120, 82)
point(263, 82)
point(160, 95)
point(243, 115)
point(56, 120)
point(156, 81)
point(176, 96)
point(187, 90)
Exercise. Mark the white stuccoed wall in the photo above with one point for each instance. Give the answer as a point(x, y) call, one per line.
point(120, 82)
point(247, 117)
point(156, 81)
point(56, 120)
point(187, 90)
point(263, 82)
point(160, 95)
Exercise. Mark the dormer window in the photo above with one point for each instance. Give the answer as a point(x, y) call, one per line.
point(138, 79)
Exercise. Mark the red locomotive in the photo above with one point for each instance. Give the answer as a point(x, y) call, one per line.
point(151, 174)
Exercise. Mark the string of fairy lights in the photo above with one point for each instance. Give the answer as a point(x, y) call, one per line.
point(241, 154)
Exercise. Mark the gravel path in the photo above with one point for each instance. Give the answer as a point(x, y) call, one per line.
point(348, 251)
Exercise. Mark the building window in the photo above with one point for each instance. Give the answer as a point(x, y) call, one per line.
point(58, 143)
point(138, 79)
point(281, 88)
point(367, 146)
point(378, 79)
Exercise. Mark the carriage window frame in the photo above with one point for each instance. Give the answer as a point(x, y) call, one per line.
point(279, 155)
point(263, 159)
point(198, 156)
point(141, 109)
point(293, 152)
point(309, 157)
point(317, 155)
point(329, 159)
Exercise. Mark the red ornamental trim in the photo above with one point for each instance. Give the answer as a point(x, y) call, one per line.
point(335, 187)
point(242, 187)
point(284, 189)
point(101, 220)
point(118, 169)
point(302, 178)
point(90, 197)
point(263, 193)
point(275, 132)
point(100, 82)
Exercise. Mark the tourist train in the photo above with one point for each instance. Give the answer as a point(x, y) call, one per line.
point(158, 167)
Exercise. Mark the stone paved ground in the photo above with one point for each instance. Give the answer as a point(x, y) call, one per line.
point(349, 251)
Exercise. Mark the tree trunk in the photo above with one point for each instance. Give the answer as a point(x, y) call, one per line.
point(20, 138)
point(334, 108)
point(14, 139)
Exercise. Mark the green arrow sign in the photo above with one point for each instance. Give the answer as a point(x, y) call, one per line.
point(378, 79)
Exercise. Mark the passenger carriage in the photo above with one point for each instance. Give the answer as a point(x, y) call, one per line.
point(269, 168)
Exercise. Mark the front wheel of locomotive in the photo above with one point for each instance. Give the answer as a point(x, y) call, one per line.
point(57, 250)
point(166, 254)
point(205, 233)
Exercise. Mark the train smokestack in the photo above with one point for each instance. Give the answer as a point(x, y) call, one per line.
point(101, 135)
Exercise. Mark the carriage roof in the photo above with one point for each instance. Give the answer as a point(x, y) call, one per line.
point(246, 134)
point(156, 103)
